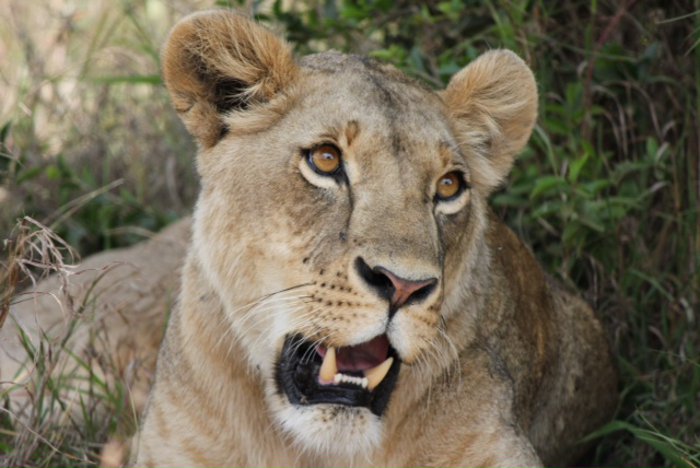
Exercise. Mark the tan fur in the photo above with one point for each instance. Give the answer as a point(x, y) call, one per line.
point(497, 362)
point(500, 365)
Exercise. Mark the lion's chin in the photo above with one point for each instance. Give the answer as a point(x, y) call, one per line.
point(331, 400)
point(347, 435)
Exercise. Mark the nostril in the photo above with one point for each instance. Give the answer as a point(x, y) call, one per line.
point(408, 291)
point(398, 291)
point(416, 291)
point(378, 281)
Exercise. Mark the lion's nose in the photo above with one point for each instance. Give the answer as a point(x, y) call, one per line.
point(398, 291)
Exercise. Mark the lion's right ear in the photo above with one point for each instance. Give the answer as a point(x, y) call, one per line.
point(217, 61)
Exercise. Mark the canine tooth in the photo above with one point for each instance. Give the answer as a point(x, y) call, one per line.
point(375, 375)
point(329, 369)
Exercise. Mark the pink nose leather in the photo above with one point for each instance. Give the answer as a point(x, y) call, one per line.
point(403, 288)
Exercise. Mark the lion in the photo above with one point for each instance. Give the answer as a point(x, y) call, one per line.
point(348, 297)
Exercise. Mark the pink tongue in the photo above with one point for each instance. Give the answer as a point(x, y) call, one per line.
point(361, 357)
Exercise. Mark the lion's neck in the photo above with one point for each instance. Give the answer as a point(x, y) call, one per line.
point(203, 340)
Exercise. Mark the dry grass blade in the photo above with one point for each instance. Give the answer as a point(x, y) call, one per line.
point(37, 252)
point(34, 253)
point(10, 274)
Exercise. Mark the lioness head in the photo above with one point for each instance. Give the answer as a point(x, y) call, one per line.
point(342, 209)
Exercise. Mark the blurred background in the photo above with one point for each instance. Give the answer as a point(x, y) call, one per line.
point(606, 192)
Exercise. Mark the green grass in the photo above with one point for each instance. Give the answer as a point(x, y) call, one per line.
point(606, 192)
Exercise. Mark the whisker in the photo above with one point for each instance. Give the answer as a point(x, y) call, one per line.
point(293, 325)
point(262, 310)
point(258, 310)
point(271, 312)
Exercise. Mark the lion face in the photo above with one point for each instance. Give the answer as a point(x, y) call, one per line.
point(341, 208)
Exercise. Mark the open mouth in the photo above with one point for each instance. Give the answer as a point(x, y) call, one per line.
point(360, 375)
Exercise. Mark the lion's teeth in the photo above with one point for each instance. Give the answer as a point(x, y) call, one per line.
point(329, 368)
point(359, 381)
point(329, 372)
point(375, 375)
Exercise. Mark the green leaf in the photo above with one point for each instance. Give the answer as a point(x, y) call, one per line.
point(547, 184)
point(594, 187)
point(571, 231)
point(509, 199)
point(589, 220)
point(577, 166)
point(671, 449)
point(29, 174)
point(5, 131)
point(546, 209)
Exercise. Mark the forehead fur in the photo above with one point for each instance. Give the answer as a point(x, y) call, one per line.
point(369, 80)
point(336, 62)
point(339, 93)
point(379, 96)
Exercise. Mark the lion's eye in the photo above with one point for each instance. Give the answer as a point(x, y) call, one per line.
point(324, 160)
point(450, 186)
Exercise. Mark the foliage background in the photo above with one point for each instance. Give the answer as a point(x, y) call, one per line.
point(606, 192)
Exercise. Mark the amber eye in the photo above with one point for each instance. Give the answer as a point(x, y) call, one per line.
point(449, 186)
point(325, 159)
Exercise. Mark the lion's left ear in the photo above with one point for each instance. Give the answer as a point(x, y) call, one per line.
point(493, 106)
